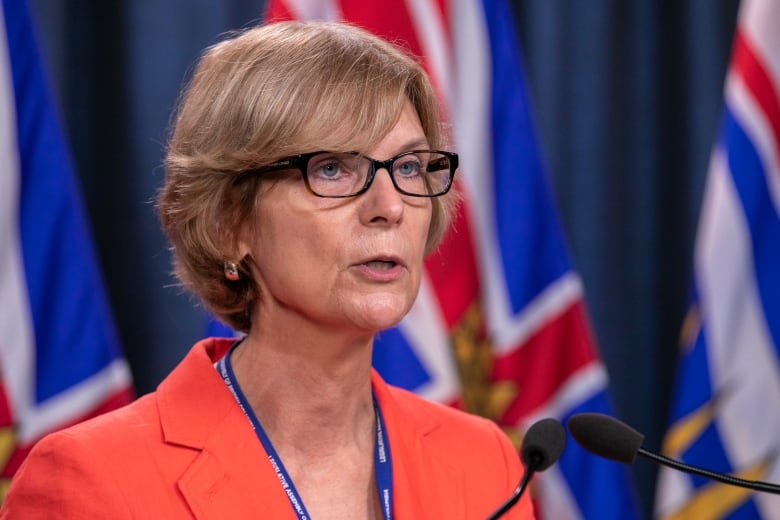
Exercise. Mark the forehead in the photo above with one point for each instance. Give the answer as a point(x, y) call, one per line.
point(357, 132)
point(406, 134)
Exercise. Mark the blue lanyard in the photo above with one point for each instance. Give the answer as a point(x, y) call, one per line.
point(382, 462)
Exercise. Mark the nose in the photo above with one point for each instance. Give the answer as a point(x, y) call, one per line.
point(382, 202)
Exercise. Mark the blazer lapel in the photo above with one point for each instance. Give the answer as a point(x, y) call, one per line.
point(425, 484)
point(230, 475)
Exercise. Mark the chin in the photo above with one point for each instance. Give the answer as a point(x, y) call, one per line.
point(382, 314)
point(378, 323)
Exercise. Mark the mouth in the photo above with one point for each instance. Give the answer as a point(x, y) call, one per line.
point(382, 265)
point(383, 262)
point(385, 268)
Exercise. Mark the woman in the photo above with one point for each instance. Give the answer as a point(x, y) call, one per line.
point(301, 197)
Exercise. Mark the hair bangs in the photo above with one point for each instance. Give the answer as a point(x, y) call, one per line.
point(364, 116)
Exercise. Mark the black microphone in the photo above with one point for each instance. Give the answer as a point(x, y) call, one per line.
point(612, 439)
point(542, 445)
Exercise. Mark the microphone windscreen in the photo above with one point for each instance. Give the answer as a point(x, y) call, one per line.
point(605, 436)
point(543, 444)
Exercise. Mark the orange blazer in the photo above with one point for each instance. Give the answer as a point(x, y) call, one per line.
point(188, 451)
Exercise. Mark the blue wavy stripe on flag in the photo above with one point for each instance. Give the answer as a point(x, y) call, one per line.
point(217, 329)
point(75, 336)
point(599, 486)
point(750, 180)
point(693, 369)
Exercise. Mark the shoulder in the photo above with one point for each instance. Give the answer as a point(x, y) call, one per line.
point(108, 437)
point(432, 417)
point(446, 430)
point(427, 411)
point(122, 427)
point(469, 453)
point(77, 471)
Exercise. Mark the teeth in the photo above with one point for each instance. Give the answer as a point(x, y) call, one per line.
point(380, 264)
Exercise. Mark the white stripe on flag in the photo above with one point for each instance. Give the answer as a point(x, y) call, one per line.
point(315, 9)
point(554, 299)
point(738, 343)
point(587, 381)
point(555, 494)
point(673, 490)
point(430, 31)
point(426, 331)
point(16, 327)
point(72, 404)
point(472, 126)
point(759, 21)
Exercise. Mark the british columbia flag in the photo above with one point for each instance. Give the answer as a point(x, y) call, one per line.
point(499, 327)
point(59, 353)
point(726, 410)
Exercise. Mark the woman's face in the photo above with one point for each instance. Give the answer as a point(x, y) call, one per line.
point(350, 264)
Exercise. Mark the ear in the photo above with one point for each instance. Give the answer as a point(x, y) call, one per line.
point(243, 242)
point(241, 248)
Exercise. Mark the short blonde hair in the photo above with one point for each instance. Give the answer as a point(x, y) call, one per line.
point(261, 95)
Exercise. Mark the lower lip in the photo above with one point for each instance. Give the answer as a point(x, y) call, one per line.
point(381, 275)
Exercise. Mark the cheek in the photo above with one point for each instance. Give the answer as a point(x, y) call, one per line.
point(425, 232)
point(296, 247)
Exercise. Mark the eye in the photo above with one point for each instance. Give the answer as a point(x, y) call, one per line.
point(330, 169)
point(336, 166)
point(409, 166)
point(326, 168)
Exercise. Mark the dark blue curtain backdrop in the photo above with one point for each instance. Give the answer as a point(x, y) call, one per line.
point(627, 98)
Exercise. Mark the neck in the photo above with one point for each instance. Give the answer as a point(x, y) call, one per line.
point(311, 399)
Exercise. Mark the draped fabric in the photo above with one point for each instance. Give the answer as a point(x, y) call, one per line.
point(626, 97)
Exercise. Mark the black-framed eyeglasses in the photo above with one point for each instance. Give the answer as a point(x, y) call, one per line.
point(419, 173)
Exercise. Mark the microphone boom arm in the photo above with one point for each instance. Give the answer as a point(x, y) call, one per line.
point(507, 505)
point(720, 477)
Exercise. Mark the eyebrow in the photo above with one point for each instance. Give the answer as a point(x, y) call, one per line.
point(416, 144)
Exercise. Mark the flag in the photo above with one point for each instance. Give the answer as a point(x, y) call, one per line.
point(725, 413)
point(499, 327)
point(60, 360)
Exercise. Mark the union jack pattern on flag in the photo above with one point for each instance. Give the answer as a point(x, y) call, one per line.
point(499, 293)
point(59, 355)
point(726, 409)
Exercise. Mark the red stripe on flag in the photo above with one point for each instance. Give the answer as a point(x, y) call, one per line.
point(452, 269)
point(444, 10)
point(276, 11)
point(542, 365)
point(390, 20)
point(750, 67)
